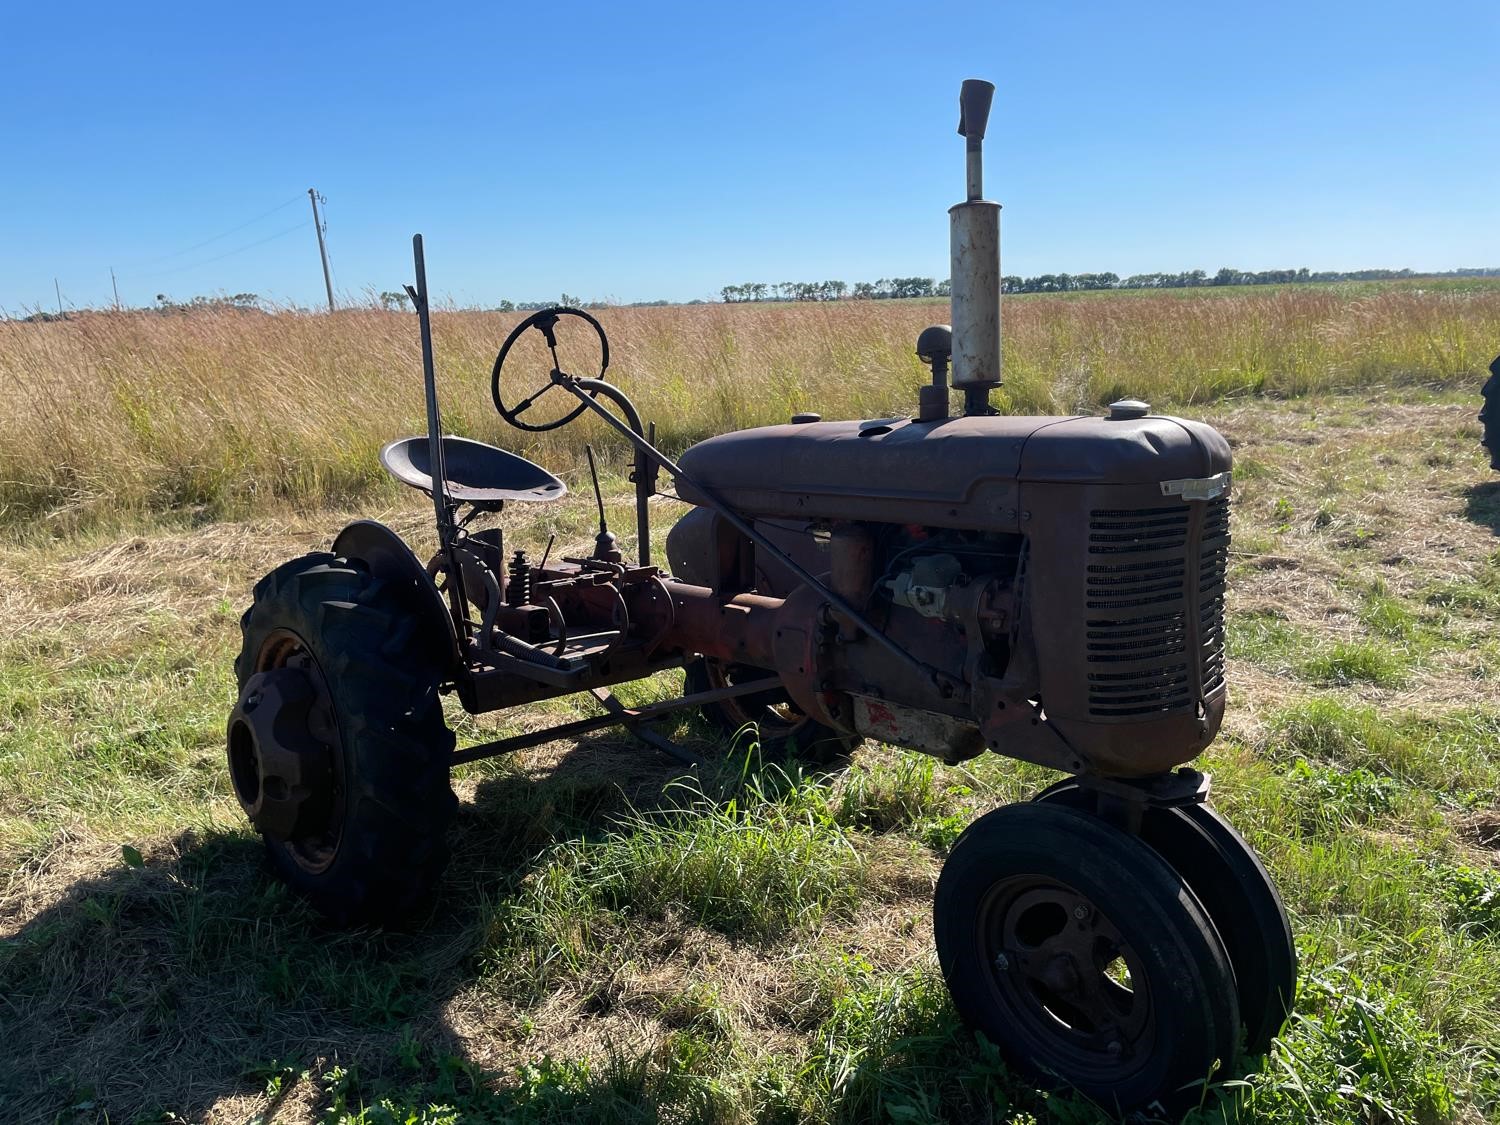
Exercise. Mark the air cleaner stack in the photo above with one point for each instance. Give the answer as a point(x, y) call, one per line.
point(975, 243)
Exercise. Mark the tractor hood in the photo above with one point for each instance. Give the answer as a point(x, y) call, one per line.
point(955, 472)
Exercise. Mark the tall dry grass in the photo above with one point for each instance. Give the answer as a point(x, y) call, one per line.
point(219, 411)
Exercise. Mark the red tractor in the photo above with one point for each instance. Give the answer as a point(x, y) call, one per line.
point(1044, 588)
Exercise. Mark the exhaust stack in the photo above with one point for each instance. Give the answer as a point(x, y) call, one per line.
point(975, 243)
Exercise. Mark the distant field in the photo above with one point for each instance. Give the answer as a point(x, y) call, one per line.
point(105, 417)
point(617, 943)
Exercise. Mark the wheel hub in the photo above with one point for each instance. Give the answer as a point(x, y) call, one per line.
point(1063, 968)
point(281, 751)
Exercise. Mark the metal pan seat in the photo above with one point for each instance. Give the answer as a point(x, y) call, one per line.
point(476, 473)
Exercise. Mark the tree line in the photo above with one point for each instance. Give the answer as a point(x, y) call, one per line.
point(892, 288)
point(885, 289)
point(393, 301)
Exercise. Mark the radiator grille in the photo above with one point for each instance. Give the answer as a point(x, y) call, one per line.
point(1155, 602)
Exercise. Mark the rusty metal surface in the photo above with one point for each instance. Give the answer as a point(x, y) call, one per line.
point(939, 735)
point(975, 298)
point(960, 472)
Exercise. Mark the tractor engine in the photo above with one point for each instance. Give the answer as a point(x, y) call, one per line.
point(1064, 577)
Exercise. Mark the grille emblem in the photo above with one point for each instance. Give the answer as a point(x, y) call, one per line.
point(1197, 488)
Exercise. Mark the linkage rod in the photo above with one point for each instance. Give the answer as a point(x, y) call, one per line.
point(624, 717)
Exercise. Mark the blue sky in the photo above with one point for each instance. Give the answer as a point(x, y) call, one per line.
point(652, 151)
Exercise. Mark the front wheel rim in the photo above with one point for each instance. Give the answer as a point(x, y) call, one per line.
point(1066, 979)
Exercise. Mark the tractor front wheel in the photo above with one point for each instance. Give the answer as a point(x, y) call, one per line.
point(1079, 953)
point(338, 751)
point(1233, 886)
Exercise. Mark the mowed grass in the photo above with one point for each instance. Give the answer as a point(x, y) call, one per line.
point(212, 415)
point(619, 940)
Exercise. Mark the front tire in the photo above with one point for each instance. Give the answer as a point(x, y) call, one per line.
point(1235, 889)
point(1079, 953)
point(367, 745)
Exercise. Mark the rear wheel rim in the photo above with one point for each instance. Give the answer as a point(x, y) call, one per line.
point(314, 851)
point(770, 711)
point(1066, 979)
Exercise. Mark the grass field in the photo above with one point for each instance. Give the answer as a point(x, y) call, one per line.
point(106, 417)
point(618, 941)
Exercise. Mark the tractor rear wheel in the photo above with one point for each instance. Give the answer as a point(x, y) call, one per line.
point(1074, 949)
point(783, 731)
point(1232, 885)
point(338, 751)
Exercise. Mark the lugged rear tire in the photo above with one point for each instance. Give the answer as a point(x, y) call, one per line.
point(384, 846)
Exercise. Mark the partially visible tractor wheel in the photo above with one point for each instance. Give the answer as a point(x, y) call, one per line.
point(338, 751)
point(1233, 887)
point(1073, 948)
point(784, 732)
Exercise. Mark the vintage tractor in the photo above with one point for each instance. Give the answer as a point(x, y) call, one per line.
point(1047, 589)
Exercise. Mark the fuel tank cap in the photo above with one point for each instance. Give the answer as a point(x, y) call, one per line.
point(1127, 408)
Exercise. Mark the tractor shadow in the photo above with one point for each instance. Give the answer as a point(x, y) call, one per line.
point(1482, 505)
point(193, 980)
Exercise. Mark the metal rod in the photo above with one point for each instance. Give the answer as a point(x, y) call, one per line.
point(583, 388)
point(626, 716)
point(640, 731)
point(644, 487)
point(429, 387)
point(598, 495)
point(442, 506)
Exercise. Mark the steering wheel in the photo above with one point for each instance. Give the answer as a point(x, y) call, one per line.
point(545, 322)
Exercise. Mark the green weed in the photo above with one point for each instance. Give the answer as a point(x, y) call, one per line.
point(1339, 797)
point(1355, 662)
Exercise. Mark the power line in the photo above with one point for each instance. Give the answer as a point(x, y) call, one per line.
point(217, 237)
point(236, 250)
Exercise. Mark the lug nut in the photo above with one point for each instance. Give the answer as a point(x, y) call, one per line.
point(1080, 912)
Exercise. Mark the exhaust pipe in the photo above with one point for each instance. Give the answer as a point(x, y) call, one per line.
point(975, 277)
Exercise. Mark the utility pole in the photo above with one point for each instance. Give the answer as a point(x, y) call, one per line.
point(116, 286)
point(322, 247)
point(56, 288)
